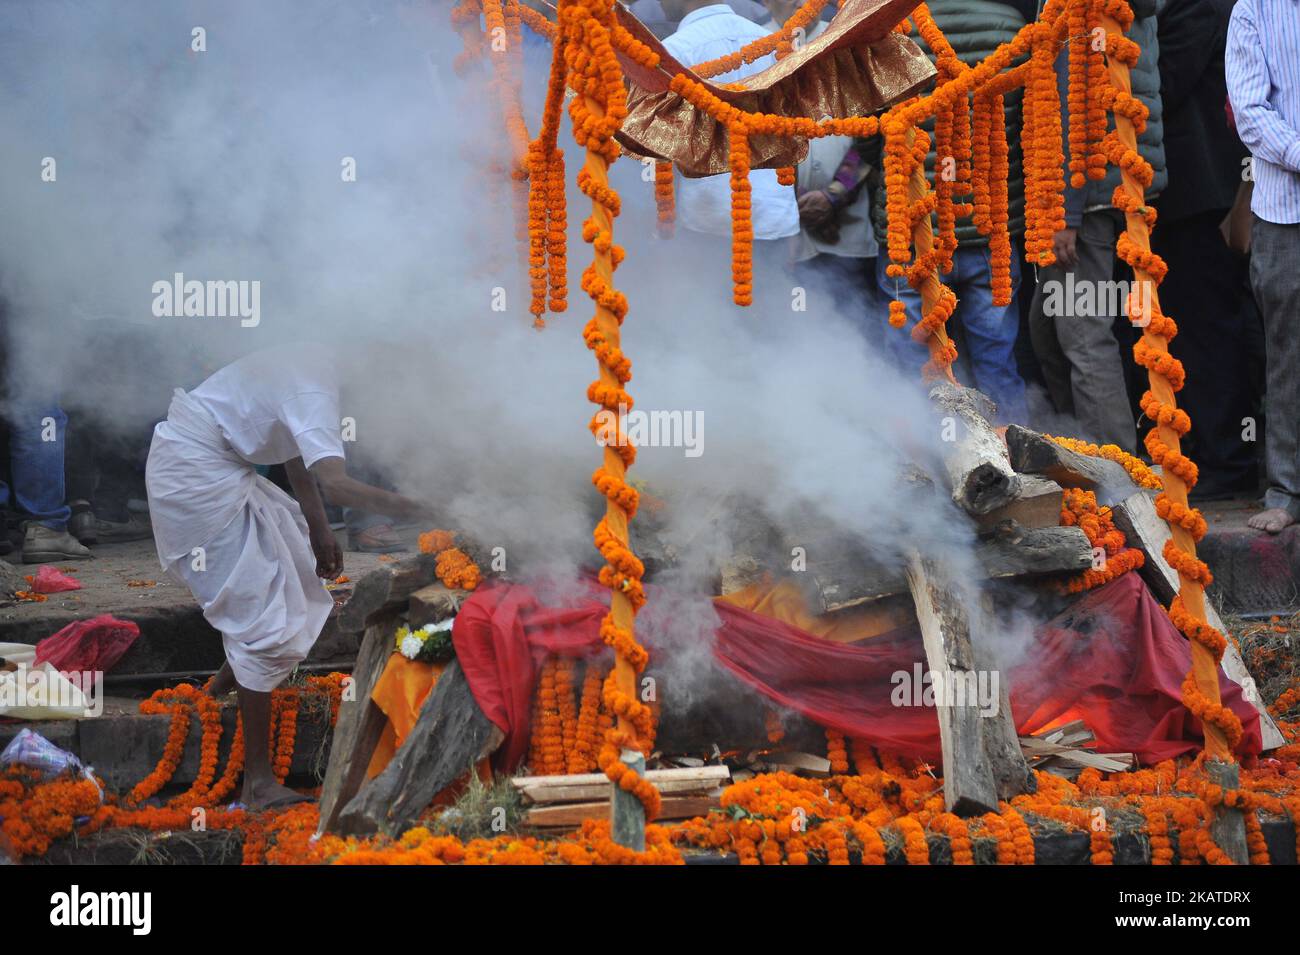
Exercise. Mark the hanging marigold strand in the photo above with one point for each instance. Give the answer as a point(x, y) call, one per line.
point(742, 223)
point(597, 110)
point(582, 759)
point(664, 202)
point(1077, 100)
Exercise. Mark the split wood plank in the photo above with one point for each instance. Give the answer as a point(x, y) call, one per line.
point(1032, 453)
point(1038, 504)
point(1228, 825)
point(840, 578)
point(449, 738)
point(977, 768)
point(359, 726)
point(585, 787)
point(433, 603)
point(384, 590)
point(571, 815)
point(790, 761)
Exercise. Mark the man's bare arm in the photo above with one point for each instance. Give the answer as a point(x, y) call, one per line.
point(329, 557)
point(339, 488)
point(308, 495)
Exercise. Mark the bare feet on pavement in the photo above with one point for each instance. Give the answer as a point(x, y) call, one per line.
point(269, 795)
point(1273, 520)
point(222, 683)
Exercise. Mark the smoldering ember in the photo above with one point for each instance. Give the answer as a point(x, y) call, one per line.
point(386, 567)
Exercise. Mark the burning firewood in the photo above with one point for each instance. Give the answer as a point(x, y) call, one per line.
point(1059, 751)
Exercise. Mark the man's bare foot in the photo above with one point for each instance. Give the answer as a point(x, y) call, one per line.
point(1272, 520)
point(269, 795)
point(222, 683)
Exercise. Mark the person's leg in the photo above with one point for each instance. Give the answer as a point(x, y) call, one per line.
point(1206, 296)
point(261, 789)
point(37, 444)
point(1274, 252)
point(37, 435)
point(222, 682)
point(1098, 391)
point(1052, 360)
point(991, 332)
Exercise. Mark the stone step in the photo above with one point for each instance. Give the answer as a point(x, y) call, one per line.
point(1254, 572)
point(137, 847)
point(123, 745)
point(173, 634)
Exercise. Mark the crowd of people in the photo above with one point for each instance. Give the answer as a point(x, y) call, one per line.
point(1221, 81)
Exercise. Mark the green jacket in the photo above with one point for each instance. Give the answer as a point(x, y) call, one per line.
point(975, 28)
point(1145, 80)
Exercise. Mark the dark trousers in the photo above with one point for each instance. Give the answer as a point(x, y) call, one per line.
point(1275, 276)
point(1080, 356)
point(1220, 342)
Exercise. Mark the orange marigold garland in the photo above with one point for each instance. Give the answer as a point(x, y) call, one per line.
point(173, 702)
point(582, 758)
point(1079, 509)
point(915, 847)
point(568, 709)
point(742, 223)
point(780, 42)
point(836, 752)
point(284, 710)
point(456, 570)
point(588, 30)
point(664, 202)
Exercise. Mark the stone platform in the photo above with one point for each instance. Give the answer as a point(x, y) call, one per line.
point(173, 634)
point(1254, 572)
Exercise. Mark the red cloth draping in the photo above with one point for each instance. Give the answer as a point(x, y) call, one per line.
point(1113, 659)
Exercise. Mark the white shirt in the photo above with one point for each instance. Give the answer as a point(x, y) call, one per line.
point(704, 205)
point(857, 236)
point(278, 404)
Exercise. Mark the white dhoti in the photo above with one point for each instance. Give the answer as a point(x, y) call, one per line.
point(238, 542)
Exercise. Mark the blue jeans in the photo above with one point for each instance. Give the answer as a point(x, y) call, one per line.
point(36, 465)
point(990, 331)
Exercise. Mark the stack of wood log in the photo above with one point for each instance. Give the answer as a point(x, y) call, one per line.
point(1064, 751)
point(1007, 487)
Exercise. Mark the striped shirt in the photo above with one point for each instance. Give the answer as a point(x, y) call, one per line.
point(1263, 69)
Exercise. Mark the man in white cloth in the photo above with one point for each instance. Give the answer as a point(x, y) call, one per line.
point(253, 556)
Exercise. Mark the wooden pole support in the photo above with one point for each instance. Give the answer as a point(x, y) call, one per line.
point(1229, 826)
point(1205, 669)
point(627, 815)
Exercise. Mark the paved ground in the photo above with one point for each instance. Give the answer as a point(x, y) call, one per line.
point(1254, 572)
point(174, 635)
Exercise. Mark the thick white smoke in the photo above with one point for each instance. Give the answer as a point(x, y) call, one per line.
point(230, 164)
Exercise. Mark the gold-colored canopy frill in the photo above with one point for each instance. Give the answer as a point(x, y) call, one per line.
point(855, 67)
